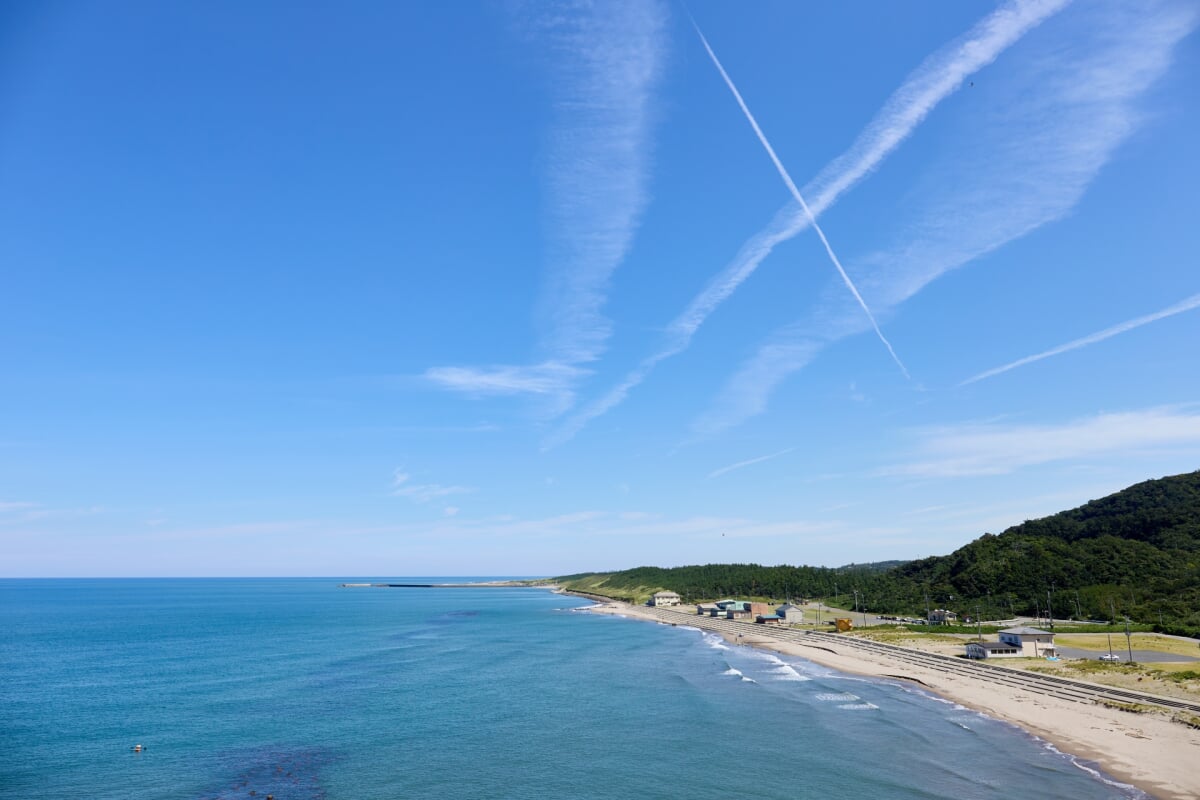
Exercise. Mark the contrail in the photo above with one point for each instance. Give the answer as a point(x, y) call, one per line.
point(748, 462)
point(1107, 333)
point(787, 179)
point(937, 77)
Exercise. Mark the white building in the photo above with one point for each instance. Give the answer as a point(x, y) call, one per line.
point(992, 650)
point(941, 616)
point(1032, 641)
point(792, 615)
point(664, 599)
point(1015, 643)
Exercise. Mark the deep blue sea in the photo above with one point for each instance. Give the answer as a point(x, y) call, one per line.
point(300, 689)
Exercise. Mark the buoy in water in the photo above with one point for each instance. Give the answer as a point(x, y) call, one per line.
point(137, 748)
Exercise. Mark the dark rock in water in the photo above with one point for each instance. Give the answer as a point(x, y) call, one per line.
point(294, 773)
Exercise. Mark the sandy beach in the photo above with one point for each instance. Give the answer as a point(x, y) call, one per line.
point(1147, 751)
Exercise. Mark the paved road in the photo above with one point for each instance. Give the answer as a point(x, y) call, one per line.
point(1141, 656)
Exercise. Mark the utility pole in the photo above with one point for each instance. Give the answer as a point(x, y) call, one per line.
point(1078, 613)
point(1128, 640)
point(928, 616)
point(1049, 613)
point(979, 623)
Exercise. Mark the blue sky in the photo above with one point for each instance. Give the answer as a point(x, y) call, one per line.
point(517, 288)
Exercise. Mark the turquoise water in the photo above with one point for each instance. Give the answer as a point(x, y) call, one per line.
point(303, 690)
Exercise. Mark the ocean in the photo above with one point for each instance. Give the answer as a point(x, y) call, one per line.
point(299, 689)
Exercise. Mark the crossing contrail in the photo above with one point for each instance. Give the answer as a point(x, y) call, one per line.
point(787, 179)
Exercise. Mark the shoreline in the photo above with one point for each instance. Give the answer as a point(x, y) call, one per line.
point(1146, 751)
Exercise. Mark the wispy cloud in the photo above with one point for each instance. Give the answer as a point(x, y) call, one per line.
point(1185, 305)
point(748, 462)
point(997, 448)
point(550, 379)
point(939, 76)
point(1062, 112)
point(20, 512)
point(606, 63)
point(421, 492)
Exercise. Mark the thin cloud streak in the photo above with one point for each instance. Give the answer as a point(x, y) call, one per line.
point(1033, 163)
point(938, 76)
point(607, 64)
point(994, 449)
point(787, 179)
point(749, 462)
point(422, 493)
point(1179, 308)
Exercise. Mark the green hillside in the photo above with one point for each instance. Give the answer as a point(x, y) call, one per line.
point(1134, 553)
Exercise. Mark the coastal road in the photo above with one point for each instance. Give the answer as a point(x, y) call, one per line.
point(1066, 688)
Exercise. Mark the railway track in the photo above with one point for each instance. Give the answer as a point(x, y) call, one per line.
point(1066, 688)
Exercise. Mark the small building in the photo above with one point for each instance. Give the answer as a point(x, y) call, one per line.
point(664, 599)
point(760, 608)
point(982, 650)
point(706, 609)
point(940, 616)
point(1019, 642)
point(768, 619)
point(793, 615)
point(1032, 641)
point(738, 612)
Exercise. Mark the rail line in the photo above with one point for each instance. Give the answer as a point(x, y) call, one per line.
point(1066, 688)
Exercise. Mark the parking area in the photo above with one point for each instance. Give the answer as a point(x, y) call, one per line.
point(1140, 656)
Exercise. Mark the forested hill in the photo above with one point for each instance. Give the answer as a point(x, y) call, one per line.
point(1135, 553)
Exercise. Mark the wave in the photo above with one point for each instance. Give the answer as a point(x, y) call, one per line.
point(1091, 768)
point(786, 672)
point(859, 706)
point(842, 697)
point(715, 642)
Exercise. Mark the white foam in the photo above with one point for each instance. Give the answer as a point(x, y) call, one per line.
point(1126, 789)
point(785, 672)
point(732, 671)
point(859, 706)
point(715, 642)
point(844, 697)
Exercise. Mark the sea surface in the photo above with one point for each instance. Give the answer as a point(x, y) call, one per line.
point(302, 690)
